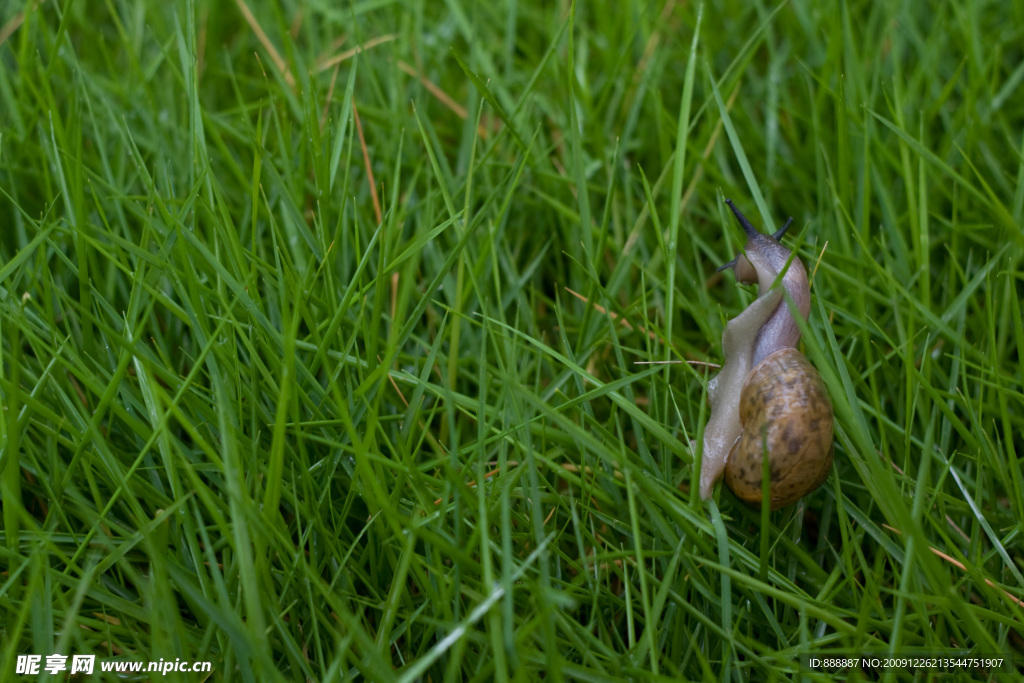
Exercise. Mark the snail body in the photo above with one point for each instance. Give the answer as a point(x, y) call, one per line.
point(767, 399)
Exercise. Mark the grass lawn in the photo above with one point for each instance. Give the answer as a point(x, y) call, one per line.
point(321, 327)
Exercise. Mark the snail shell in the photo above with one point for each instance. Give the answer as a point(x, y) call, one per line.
point(767, 398)
point(783, 406)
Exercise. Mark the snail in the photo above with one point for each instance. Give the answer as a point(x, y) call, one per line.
point(767, 396)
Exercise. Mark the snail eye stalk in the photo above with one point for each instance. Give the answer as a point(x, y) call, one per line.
point(782, 231)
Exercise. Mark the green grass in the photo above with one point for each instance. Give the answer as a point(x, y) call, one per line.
point(248, 395)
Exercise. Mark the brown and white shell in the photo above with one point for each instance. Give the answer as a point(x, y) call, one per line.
point(785, 412)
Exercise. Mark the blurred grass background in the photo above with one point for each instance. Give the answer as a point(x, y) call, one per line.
point(319, 327)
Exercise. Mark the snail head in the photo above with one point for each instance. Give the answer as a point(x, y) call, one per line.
point(767, 248)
